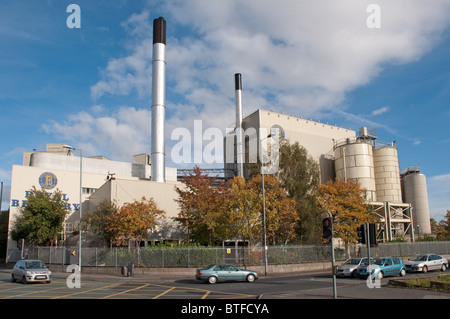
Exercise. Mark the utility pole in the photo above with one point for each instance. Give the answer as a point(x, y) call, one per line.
point(327, 225)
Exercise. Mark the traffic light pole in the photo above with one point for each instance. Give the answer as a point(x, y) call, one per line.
point(368, 242)
point(332, 263)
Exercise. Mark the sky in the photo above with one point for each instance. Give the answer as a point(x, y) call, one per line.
point(343, 62)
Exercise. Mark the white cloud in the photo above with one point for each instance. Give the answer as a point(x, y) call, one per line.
point(380, 111)
point(120, 135)
point(300, 57)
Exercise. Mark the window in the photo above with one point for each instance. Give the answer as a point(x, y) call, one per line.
point(396, 261)
point(88, 191)
point(68, 227)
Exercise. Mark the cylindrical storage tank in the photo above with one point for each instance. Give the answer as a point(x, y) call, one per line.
point(354, 161)
point(387, 174)
point(415, 193)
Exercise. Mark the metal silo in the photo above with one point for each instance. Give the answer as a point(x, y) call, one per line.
point(387, 174)
point(354, 161)
point(415, 192)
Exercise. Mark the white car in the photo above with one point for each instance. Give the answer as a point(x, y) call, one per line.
point(27, 271)
point(350, 266)
point(426, 262)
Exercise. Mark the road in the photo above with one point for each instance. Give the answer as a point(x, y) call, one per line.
point(280, 286)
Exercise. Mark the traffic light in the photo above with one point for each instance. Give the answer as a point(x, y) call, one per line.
point(327, 227)
point(362, 234)
point(373, 235)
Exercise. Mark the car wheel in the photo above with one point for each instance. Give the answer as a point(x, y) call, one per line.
point(425, 269)
point(251, 278)
point(443, 267)
point(212, 279)
point(12, 278)
point(24, 280)
point(403, 272)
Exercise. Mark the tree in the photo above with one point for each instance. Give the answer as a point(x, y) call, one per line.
point(96, 221)
point(41, 220)
point(4, 219)
point(201, 206)
point(441, 229)
point(299, 175)
point(346, 203)
point(133, 221)
point(243, 214)
point(281, 214)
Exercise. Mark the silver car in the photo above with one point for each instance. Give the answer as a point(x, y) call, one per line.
point(426, 262)
point(27, 271)
point(350, 266)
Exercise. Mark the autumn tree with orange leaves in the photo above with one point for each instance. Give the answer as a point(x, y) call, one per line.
point(201, 206)
point(347, 204)
point(281, 212)
point(212, 212)
point(134, 220)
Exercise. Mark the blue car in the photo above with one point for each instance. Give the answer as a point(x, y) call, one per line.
point(225, 272)
point(381, 267)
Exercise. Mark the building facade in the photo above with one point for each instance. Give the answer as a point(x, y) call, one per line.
point(58, 168)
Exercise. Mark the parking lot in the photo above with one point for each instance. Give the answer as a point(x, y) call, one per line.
point(91, 289)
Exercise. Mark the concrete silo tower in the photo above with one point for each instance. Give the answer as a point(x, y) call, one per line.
point(415, 192)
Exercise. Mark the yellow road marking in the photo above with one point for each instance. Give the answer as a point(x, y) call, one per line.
point(83, 292)
point(206, 295)
point(125, 291)
point(156, 297)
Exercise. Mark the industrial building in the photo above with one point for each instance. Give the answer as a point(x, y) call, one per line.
point(399, 199)
point(58, 168)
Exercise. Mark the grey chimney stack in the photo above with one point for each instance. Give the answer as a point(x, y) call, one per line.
point(158, 100)
point(238, 129)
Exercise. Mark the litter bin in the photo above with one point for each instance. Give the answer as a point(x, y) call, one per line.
point(130, 269)
point(127, 270)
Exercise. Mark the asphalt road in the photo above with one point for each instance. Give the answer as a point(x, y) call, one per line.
point(277, 286)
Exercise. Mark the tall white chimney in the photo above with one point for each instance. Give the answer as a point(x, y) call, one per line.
point(238, 129)
point(158, 100)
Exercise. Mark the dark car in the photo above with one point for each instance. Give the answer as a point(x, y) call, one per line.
point(225, 272)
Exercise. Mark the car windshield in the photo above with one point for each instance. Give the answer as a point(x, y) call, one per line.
point(419, 258)
point(379, 261)
point(34, 264)
point(352, 262)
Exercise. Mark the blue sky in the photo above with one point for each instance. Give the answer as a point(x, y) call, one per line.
point(91, 87)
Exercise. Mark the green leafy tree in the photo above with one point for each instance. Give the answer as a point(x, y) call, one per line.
point(41, 220)
point(96, 221)
point(298, 174)
point(4, 218)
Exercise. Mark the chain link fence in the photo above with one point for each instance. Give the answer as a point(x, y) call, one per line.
point(194, 257)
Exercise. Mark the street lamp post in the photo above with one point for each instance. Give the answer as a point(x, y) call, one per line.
point(264, 202)
point(80, 208)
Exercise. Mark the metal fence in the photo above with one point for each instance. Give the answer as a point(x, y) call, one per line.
point(193, 257)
